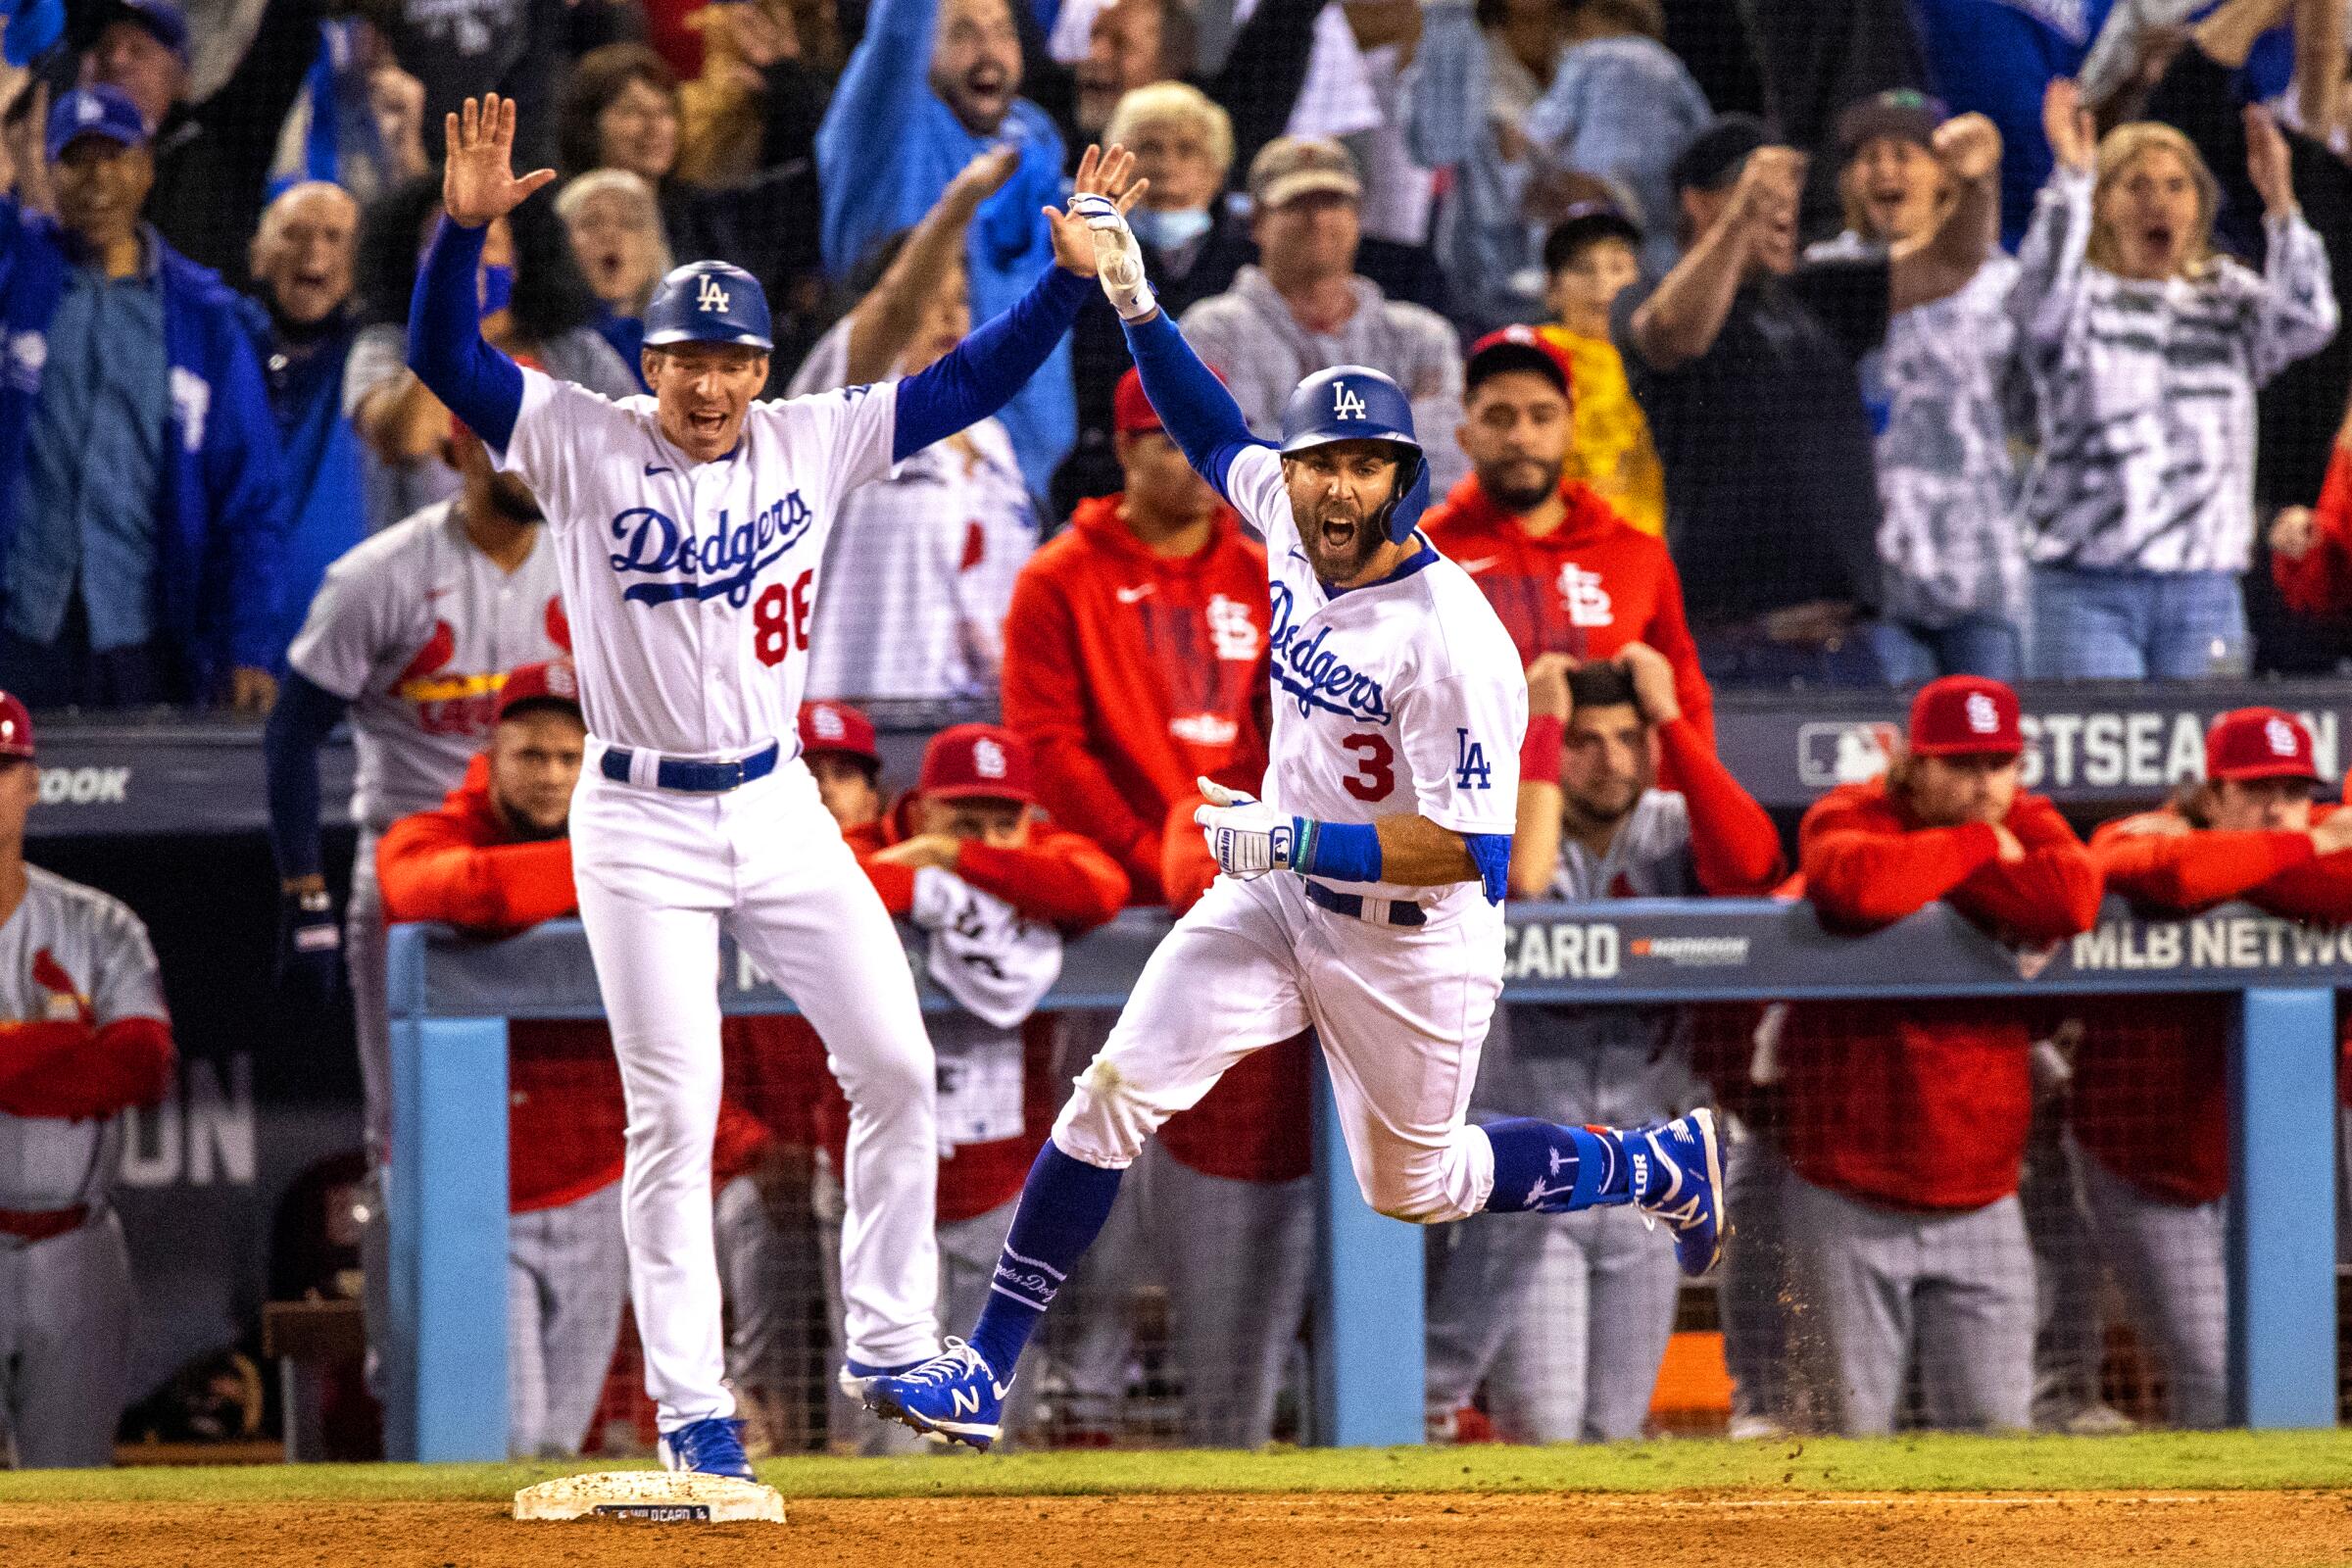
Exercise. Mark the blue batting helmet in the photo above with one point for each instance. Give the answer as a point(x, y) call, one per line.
point(1356, 403)
point(709, 302)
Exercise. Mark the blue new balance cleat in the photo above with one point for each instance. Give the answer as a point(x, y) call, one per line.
point(712, 1446)
point(1677, 1176)
point(954, 1394)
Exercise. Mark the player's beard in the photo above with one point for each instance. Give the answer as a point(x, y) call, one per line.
point(1606, 806)
point(1520, 485)
point(1348, 561)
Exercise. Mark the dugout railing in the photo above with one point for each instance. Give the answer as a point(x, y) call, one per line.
point(451, 1000)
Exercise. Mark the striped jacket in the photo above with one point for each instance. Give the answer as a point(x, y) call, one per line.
point(2147, 391)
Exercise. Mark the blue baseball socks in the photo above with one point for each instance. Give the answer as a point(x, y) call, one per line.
point(1552, 1169)
point(1063, 1204)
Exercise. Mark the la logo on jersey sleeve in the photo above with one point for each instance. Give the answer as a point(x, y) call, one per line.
point(1470, 768)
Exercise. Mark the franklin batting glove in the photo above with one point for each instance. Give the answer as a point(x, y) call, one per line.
point(1118, 259)
point(1248, 837)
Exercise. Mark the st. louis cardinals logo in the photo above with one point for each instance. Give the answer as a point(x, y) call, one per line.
point(61, 1000)
point(1316, 676)
point(725, 560)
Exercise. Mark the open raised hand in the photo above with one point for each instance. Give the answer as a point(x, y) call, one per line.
point(2269, 164)
point(2073, 136)
point(477, 183)
point(1102, 174)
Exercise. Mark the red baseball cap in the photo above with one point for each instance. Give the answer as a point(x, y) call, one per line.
point(554, 681)
point(1965, 715)
point(1131, 411)
point(1518, 348)
point(968, 761)
point(16, 726)
point(840, 731)
point(2260, 743)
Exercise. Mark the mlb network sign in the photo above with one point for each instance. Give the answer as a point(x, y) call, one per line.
point(2140, 750)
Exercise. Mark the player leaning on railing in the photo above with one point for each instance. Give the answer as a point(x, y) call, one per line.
point(690, 527)
point(1362, 898)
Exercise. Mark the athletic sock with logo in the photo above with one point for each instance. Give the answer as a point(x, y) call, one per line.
point(1063, 1204)
point(1552, 1169)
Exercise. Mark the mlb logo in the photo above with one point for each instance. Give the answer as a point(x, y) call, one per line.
point(1984, 719)
point(1833, 754)
point(2282, 737)
point(988, 759)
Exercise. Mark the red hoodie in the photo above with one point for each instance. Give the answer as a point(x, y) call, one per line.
point(460, 864)
point(1132, 675)
point(1923, 1105)
point(1588, 587)
point(2150, 1098)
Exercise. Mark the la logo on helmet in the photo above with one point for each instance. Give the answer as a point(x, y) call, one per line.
point(708, 296)
point(1346, 404)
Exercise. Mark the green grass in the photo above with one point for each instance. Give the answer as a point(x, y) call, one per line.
point(2145, 1462)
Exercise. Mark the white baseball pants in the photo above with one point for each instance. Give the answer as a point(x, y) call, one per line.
point(1400, 1012)
point(660, 872)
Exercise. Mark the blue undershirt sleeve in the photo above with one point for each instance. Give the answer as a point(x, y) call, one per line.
point(981, 375)
point(1194, 406)
point(306, 715)
point(1490, 853)
point(446, 347)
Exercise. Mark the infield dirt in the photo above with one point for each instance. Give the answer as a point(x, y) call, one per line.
point(1427, 1529)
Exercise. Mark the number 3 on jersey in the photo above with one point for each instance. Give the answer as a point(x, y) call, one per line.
point(1375, 772)
point(780, 618)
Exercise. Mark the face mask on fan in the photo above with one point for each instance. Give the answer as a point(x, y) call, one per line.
point(1169, 230)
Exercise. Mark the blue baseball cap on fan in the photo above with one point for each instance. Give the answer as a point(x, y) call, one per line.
point(95, 112)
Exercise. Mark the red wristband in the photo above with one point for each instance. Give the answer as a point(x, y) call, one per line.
point(1539, 753)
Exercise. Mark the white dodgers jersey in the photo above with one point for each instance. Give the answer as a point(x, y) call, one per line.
point(415, 628)
point(692, 586)
point(1403, 697)
point(69, 955)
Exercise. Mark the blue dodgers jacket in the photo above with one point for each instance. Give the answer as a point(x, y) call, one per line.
point(225, 492)
point(885, 152)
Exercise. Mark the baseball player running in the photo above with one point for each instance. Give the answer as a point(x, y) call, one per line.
point(1362, 898)
point(690, 527)
point(83, 1037)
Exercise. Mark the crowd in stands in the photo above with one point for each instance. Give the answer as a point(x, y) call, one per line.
point(1804, 343)
point(1923, 356)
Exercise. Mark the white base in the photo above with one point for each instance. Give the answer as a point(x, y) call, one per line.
point(667, 1497)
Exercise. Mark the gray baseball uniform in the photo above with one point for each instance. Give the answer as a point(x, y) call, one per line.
point(567, 1273)
point(72, 956)
point(1569, 1342)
